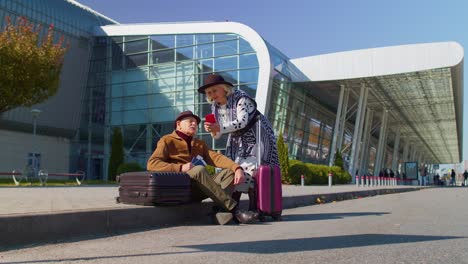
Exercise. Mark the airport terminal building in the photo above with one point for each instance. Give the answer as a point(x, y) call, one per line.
point(398, 104)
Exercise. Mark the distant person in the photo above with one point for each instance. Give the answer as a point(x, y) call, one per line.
point(453, 174)
point(465, 178)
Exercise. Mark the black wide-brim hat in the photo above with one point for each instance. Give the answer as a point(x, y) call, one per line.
point(185, 114)
point(213, 79)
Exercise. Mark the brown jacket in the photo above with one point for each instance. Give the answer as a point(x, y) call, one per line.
point(172, 152)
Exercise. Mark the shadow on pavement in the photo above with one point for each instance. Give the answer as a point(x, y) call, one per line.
point(315, 243)
point(312, 217)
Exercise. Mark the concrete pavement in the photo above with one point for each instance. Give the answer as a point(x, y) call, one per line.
point(30, 215)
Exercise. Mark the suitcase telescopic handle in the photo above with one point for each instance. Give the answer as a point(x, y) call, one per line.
point(259, 151)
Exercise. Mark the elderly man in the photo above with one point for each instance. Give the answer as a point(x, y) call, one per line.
point(175, 153)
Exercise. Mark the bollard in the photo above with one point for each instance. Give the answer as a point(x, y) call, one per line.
point(330, 179)
point(357, 181)
point(302, 179)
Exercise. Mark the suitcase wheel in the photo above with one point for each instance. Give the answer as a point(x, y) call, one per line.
point(261, 217)
point(277, 217)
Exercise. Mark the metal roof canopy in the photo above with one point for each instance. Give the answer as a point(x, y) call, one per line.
point(421, 85)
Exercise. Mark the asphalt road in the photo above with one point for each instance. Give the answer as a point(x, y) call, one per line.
point(428, 226)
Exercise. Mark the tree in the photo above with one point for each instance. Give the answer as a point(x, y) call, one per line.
point(283, 158)
point(339, 159)
point(117, 153)
point(30, 63)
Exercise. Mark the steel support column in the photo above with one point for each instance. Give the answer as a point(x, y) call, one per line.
point(358, 130)
point(344, 113)
point(381, 145)
point(365, 142)
point(337, 128)
point(396, 147)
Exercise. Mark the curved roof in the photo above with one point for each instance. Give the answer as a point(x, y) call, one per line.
point(421, 85)
point(250, 35)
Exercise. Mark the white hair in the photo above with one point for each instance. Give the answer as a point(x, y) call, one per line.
point(229, 90)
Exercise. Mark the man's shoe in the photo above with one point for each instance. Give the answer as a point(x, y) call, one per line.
point(245, 217)
point(223, 218)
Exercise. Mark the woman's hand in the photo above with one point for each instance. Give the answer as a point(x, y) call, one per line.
point(213, 128)
point(239, 176)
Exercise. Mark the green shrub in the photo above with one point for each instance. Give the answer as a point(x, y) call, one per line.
point(283, 159)
point(316, 174)
point(339, 159)
point(117, 153)
point(129, 167)
point(295, 172)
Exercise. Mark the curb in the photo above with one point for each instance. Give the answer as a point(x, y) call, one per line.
point(30, 229)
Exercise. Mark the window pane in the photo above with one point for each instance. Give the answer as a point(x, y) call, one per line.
point(135, 117)
point(248, 61)
point(135, 75)
point(166, 114)
point(136, 88)
point(117, 90)
point(116, 104)
point(244, 46)
point(219, 37)
point(129, 38)
point(205, 51)
point(133, 61)
point(117, 56)
point(226, 63)
point(185, 68)
point(184, 54)
point(162, 42)
point(184, 40)
point(136, 46)
point(205, 65)
point(163, 56)
point(225, 48)
point(163, 85)
point(248, 76)
point(161, 100)
point(203, 38)
point(117, 39)
point(162, 71)
point(250, 89)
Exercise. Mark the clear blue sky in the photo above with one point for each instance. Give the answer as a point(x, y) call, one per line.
point(302, 28)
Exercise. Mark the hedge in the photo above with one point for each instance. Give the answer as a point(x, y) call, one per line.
point(129, 167)
point(315, 174)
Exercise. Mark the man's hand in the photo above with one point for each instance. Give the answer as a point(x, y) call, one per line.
point(187, 166)
point(239, 176)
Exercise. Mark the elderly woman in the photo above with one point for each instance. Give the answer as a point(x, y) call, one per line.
point(236, 114)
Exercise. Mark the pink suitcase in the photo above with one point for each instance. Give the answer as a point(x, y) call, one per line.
point(268, 187)
point(269, 192)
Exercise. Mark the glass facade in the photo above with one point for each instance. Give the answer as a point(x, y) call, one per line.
point(306, 124)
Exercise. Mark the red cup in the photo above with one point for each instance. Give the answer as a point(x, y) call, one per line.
point(210, 118)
